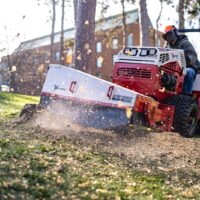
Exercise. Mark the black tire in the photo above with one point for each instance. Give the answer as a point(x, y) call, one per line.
point(186, 114)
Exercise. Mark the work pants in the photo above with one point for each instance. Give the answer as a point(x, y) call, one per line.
point(188, 81)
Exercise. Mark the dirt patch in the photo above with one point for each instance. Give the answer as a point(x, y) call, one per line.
point(146, 150)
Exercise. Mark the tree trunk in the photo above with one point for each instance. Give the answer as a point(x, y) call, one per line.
point(181, 14)
point(85, 35)
point(125, 32)
point(62, 34)
point(53, 30)
point(157, 21)
point(12, 74)
point(75, 10)
point(199, 22)
point(144, 23)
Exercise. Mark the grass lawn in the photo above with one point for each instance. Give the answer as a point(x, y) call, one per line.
point(35, 165)
point(11, 104)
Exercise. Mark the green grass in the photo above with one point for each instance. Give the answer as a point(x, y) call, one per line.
point(35, 165)
point(11, 104)
point(42, 168)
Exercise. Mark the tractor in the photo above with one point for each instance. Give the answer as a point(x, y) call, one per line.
point(159, 74)
point(146, 89)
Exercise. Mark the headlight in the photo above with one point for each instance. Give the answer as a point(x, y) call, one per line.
point(130, 51)
point(144, 52)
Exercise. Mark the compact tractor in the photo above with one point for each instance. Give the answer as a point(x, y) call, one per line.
point(159, 73)
point(146, 89)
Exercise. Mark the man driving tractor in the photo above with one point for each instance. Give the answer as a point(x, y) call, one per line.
point(177, 41)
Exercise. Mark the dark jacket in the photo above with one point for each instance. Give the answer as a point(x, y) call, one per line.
point(183, 43)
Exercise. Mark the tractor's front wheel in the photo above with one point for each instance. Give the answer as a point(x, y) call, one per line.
point(186, 114)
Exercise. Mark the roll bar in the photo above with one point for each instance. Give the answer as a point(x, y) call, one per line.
point(188, 30)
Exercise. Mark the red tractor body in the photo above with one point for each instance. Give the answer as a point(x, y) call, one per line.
point(158, 73)
point(145, 79)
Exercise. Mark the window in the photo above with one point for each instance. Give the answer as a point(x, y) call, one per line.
point(57, 56)
point(98, 47)
point(99, 62)
point(115, 43)
point(114, 57)
point(130, 40)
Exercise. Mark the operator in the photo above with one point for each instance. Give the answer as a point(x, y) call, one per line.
point(177, 41)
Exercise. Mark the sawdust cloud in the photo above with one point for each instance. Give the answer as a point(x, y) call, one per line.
point(56, 117)
point(169, 151)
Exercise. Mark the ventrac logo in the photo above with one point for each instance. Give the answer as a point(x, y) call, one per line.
point(57, 87)
point(174, 56)
point(126, 99)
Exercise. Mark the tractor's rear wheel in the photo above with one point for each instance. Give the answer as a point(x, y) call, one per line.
point(186, 114)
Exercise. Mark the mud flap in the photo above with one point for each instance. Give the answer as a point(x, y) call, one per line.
point(95, 116)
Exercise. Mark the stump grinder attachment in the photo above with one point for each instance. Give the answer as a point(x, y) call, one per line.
point(146, 89)
point(92, 102)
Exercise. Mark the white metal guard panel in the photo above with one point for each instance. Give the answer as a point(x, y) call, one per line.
point(151, 55)
point(70, 83)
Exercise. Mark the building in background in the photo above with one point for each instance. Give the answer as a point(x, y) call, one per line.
point(32, 57)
